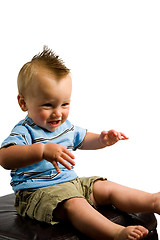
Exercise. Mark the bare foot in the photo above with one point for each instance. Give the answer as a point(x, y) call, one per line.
point(131, 233)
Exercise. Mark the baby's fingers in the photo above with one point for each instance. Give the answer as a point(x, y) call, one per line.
point(66, 151)
point(64, 163)
point(68, 158)
point(55, 164)
point(123, 136)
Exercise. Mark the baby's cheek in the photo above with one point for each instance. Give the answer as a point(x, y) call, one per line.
point(43, 115)
point(65, 114)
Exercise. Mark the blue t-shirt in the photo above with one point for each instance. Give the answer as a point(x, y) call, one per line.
point(43, 173)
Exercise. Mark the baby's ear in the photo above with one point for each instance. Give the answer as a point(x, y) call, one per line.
point(22, 102)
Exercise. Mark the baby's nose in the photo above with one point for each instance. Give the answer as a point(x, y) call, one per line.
point(57, 113)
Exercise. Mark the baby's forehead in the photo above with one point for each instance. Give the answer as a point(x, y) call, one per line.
point(47, 86)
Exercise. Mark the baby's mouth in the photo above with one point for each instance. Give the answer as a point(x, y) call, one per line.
point(54, 123)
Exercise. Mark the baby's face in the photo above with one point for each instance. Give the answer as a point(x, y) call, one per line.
point(49, 100)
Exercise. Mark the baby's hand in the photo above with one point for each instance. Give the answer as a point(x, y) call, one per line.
point(108, 138)
point(55, 153)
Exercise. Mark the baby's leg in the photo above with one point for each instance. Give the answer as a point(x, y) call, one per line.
point(124, 198)
point(93, 224)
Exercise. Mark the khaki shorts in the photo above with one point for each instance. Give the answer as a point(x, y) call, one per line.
point(40, 204)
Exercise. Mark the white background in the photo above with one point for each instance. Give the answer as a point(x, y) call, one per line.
point(113, 50)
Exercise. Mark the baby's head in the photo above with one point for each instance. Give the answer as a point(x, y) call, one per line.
point(44, 86)
point(47, 60)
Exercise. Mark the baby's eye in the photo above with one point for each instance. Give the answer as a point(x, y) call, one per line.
point(65, 104)
point(47, 105)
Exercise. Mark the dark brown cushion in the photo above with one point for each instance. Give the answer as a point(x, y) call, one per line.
point(14, 227)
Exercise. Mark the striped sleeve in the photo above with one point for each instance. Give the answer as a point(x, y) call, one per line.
point(79, 135)
point(18, 136)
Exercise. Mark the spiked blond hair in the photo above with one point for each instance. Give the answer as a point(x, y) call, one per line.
point(47, 59)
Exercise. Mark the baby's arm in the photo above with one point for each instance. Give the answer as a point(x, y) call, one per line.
point(106, 138)
point(18, 156)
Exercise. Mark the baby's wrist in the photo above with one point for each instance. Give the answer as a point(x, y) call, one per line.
point(101, 142)
point(38, 149)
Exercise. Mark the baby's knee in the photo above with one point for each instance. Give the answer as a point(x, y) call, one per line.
point(67, 207)
point(72, 203)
